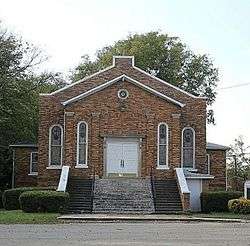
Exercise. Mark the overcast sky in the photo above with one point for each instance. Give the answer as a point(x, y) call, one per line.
point(67, 29)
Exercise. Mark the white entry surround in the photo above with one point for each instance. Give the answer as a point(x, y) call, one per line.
point(194, 182)
point(195, 187)
point(122, 157)
point(191, 183)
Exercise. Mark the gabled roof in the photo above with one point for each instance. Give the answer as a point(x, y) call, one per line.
point(213, 146)
point(24, 144)
point(113, 81)
point(136, 68)
point(194, 175)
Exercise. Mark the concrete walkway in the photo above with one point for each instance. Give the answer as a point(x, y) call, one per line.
point(146, 217)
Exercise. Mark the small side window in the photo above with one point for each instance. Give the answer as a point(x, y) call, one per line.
point(33, 163)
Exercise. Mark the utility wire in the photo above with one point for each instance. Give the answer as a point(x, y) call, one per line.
point(234, 86)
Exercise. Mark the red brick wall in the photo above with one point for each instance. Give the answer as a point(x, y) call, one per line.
point(105, 114)
point(217, 169)
point(22, 167)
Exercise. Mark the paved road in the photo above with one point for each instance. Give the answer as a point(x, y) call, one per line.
point(150, 233)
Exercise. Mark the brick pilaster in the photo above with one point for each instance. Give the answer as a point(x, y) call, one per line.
point(175, 142)
point(95, 161)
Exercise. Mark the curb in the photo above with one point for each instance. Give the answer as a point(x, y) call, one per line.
point(146, 219)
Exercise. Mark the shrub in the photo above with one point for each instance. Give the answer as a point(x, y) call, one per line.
point(44, 201)
point(1, 201)
point(217, 201)
point(11, 196)
point(241, 206)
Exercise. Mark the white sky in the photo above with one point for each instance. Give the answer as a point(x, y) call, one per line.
point(67, 29)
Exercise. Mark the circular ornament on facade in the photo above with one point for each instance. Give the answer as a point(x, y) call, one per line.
point(123, 94)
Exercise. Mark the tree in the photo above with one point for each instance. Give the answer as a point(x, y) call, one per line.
point(19, 90)
point(163, 56)
point(238, 163)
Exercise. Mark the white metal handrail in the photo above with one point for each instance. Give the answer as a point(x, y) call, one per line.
point(63, 179)
point(182, 180)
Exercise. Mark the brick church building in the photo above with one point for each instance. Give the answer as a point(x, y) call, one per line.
point(122, 122)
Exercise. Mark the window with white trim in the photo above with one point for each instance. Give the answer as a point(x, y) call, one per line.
point(188, 147)
point(33, 163)
point(56, 145)
point(82, 143)
point(162, 155)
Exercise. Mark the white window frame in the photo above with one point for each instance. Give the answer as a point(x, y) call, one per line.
point(31, 158)
point(208, 163)
point(78, 165)
point(158, 146)
point(50, 131)
point(194, 145)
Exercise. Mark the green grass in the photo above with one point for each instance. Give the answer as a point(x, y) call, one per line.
point(225, 215)
point(19, 217)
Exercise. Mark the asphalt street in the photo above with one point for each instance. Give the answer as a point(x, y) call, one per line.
point(118, 233)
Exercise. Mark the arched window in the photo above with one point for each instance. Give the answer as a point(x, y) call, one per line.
point(55, 145)
point(82, 144)
point(188, 147)
point(162, 156)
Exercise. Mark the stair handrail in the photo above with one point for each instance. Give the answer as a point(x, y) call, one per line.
point(152, 184)
point(62, 185)
point(92, 189)
point(183, 189)
point(182, 180)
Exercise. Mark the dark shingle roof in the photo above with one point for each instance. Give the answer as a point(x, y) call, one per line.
point(194, 175)
point(24, 144)
point(213, 146)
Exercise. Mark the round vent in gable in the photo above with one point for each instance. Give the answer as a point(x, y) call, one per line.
point(123, 94)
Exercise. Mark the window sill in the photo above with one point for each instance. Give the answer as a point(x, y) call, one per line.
point(32, 174)
point(190, 169)
point(54, 167)
point(81, 166)
point(162, 168)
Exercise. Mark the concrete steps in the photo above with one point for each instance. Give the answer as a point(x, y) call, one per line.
point(167, 198)
point(80, 195)
point(119, 195)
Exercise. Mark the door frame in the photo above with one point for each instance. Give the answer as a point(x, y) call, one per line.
point(121, 138)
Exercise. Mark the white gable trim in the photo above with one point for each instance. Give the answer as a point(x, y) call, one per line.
point(90, 76)
point(168, 84)
point(113, 65)
point(77, 82)
point(123, 77)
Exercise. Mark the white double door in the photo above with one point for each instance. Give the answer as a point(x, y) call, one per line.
point(122, 156)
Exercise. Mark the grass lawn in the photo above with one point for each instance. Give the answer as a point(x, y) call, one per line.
point(19, 217)
point(225, 215)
